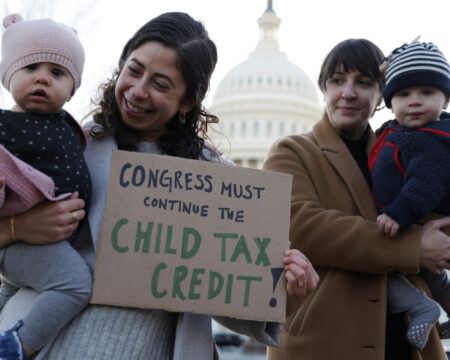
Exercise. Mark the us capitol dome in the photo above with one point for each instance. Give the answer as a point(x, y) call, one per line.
point(262, 99)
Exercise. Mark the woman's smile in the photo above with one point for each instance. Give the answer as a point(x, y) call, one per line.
point(135, 108)
point(347, 109)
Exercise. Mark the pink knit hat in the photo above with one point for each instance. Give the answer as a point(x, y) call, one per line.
point(26, 42)
point(24, 185)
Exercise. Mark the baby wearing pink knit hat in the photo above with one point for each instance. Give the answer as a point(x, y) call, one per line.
point(26, 42)
point(41, 158)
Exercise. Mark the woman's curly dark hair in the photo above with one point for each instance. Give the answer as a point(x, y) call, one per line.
point(197, 55)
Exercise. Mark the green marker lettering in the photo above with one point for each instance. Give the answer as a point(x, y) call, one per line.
point(155, 277)
point(195, 281)
point(179, 275)
point(168, 249)
point(187, 253)
point(115, 237)
point(158, 239)
point(215, 284)
point(143, 235)
point(229, 289)
point(241, 249)
point(248, 280)
point(224, 237)
point(262, 258)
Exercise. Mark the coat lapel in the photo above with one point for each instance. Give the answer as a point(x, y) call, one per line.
point(335, 150)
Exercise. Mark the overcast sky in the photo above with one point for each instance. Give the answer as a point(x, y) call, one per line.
point(309, 29)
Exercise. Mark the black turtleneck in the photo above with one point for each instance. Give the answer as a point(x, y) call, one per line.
point(358, 148)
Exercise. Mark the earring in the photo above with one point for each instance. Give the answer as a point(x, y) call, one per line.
point(182, 118)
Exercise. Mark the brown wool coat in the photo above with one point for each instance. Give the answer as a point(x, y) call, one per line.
point(332, 222)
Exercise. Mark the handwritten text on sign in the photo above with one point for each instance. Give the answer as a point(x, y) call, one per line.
point(197, 236)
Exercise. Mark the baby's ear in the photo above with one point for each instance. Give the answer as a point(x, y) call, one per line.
point(11, 19)
point(447, 99)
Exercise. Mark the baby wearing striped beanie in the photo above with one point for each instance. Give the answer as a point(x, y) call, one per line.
point(416, 64)
point(410, 170)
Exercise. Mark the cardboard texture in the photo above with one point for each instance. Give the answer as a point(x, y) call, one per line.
point(194, 236)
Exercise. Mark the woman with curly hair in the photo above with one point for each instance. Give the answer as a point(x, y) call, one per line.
point(182, 132)
point(152, 104)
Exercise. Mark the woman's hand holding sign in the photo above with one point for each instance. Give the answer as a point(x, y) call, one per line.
point(301, 279)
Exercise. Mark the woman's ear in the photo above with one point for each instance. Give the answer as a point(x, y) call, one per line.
point(185, 107)
point(380, 95)
point(378, 107)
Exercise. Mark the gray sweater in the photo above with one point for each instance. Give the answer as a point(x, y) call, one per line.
point(113, 333)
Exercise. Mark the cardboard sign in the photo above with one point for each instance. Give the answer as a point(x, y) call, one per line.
point(193, 236)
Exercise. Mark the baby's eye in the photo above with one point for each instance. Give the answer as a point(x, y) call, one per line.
point(428, 91)
point(57, 72)
point(31, 67)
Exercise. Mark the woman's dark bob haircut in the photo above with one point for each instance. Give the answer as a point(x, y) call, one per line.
point(353, 55)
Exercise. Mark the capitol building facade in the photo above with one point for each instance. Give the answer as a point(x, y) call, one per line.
point(262, 99)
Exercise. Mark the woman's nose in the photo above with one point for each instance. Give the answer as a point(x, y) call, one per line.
point(348, 90)
point(139, 90)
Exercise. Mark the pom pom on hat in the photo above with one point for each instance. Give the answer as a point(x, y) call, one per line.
point(26, 42)
point(11, 19)
point(416, 64)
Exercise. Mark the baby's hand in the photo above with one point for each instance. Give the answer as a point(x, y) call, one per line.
point(388, 225)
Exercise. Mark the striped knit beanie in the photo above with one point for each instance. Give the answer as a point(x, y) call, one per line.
point(416, 64)
point(26, 42)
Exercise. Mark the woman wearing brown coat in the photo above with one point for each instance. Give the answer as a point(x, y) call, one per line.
point(333, 224)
